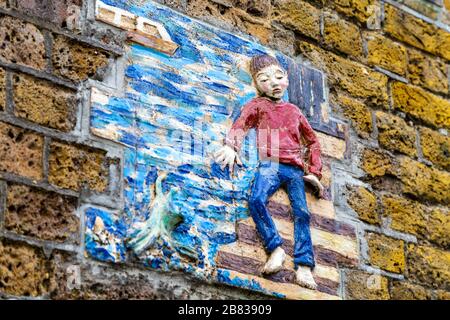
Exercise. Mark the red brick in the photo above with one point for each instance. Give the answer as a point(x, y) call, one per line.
point(21, 151)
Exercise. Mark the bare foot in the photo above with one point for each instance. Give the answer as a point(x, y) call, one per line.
point(316, 183)
point(275, 261)
point(305, 278)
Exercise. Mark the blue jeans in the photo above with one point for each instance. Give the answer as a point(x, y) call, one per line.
point(269, 177)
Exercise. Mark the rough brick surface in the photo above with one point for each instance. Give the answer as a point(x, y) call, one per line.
point(342, 35)
point(429, 266)
point(225, 14)
point(386, 253)
point(77, 61)
point(363, 10)
point(438, 227)
point(402, 290)
point(416, 32)
point(21, 43)
point(44, 215)
point(259, 7)
point(360, 285)
point(72, 167)
point(386, 54)
point(421, 105)
point(435, 147)
point(2, 89)
point(65, 13)
point(427, 72)
point(365, 204)
point(375, 163)
point(350, 76)
point(21, 151)
point(358, 113)
point(423, 182)
point(299, 16)
point(24, 270)
point(417, 179)
point(425, 222)
point(395, 135)
point(429, 8)
point(442, 295)
point(42, 102)
point(406, 215)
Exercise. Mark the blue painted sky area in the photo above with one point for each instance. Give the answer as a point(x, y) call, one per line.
point(175, 114)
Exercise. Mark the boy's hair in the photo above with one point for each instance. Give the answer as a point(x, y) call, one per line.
point(262, 61)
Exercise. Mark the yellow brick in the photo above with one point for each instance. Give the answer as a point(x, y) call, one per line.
point(447, 4)
point(416, 32)
point(386, 54)
point(299, 16)
point(363, 10)
point(438, 227)
point(30, 94)
point(386, 253)
point(76, 166)
point(395, 135)
point(425, 222)
point(365, 204)
point(422, 181)
point(421, 104)
point(358, 113)
point(427, 8)
point(25, 270)
point(360, 285)
point(342, 35)
point(375, 163)
point(402, 290)
point(429, 265)
point(431, 73)
point(349, 76)
point(442, 295)
point(435, 147)
point(406, 215)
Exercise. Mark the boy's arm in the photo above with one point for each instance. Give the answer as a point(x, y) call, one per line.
point(247, 119)
point(227, 155)
point(313, 146)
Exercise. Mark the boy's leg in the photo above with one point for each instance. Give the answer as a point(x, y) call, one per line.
point(303, 251)
point(265, 184)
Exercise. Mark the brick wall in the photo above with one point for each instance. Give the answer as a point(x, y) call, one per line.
point(387, 74)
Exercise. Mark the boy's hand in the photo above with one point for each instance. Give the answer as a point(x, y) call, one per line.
point(226, 156)
point(316, 183)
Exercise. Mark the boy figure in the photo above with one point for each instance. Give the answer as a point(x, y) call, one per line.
point(282, 134)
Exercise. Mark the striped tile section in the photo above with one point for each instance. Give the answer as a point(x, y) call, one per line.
point(249, 259)
point(334, 245)
point(288, 290)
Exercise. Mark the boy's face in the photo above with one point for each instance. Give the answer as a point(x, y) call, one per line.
point(272, 82)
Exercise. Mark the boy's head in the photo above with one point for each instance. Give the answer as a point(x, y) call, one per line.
point(270, 78)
